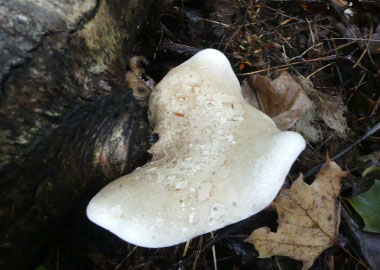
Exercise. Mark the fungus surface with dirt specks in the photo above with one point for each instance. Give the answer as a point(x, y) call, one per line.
point(220, 162)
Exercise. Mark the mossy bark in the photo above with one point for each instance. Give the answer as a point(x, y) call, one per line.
point(52, 53)
point(68, 124)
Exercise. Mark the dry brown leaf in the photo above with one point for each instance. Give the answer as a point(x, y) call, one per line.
point(282, 99)
point(137, 80)
point(340, 3)
point(297, 105)
point(308, 217)
point(329, 108)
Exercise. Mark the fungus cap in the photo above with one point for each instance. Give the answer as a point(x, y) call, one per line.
point(218, 160)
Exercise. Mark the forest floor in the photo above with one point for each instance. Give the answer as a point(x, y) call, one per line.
point(331, 49)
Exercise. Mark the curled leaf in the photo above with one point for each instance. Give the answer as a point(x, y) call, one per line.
point(297, 105)
point(137, 80)
point(328, 108)
point(282, 99)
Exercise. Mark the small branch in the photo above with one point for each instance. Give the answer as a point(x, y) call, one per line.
point(316, 168)
point(324, 58)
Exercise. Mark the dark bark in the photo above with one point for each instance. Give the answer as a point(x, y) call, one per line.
point(51, 57)
point(367, 244)
point(96, 143)
point(68, 124)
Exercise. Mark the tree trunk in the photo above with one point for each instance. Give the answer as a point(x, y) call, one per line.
point(68, 124)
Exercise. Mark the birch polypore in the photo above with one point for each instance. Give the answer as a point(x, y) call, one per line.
point(218, 160)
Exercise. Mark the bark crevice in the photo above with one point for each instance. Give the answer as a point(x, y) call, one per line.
point(68, 122)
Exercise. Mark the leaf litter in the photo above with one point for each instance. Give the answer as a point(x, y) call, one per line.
point(282, 99)
point(262, 37)
point(308, 217)
point(297, 106)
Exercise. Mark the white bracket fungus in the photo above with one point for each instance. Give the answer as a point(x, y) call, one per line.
point(218, 160)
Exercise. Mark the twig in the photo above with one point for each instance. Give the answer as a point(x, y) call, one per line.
point(230, 39)
point(214, 253)
point(337, 69)
point(158, 45)
point(277, 262)
point(215, 22)
point(316, 168)
point(355, 39)
point(349, 58)
point(360, 58)
point(126, 258)
point(367, 44)
point(303, 21)
point(186, 248)
point(198, 252)
point(311, 31)
point(339, 47)
point(319, 69)
point(283, 38)
point(212, 242)
point(305, 51)
point(375, 108)
point(324, 58)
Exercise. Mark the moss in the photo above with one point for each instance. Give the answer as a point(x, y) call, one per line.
point(104, 38)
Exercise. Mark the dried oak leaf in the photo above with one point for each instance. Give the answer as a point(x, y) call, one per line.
point(282, 99)
point(308, 217)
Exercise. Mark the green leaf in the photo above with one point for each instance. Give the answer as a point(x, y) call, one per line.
point(41, 267)
point(367, 204)
point(369, 170)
